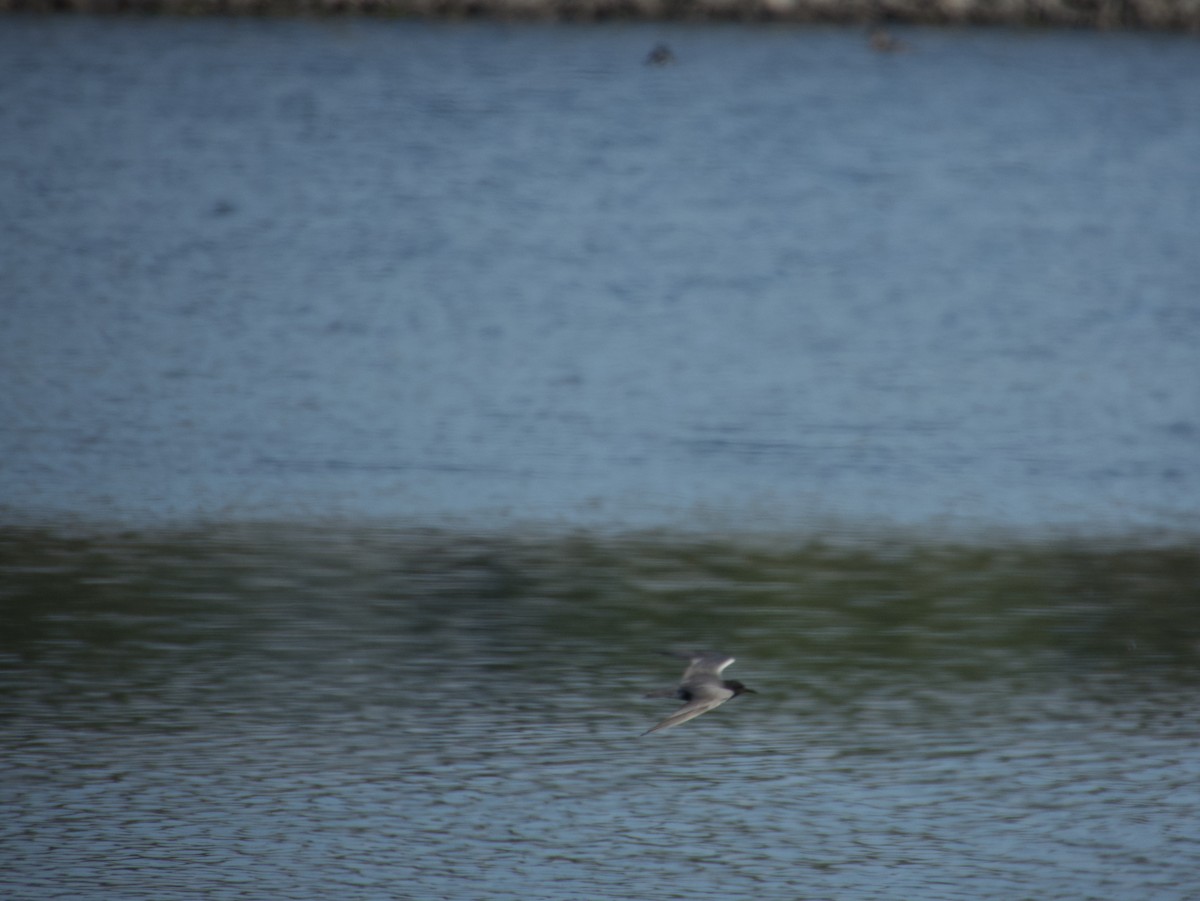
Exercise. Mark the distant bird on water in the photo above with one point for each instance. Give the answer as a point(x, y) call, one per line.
point(702, 689)
point(660, 55)
point(883, 42)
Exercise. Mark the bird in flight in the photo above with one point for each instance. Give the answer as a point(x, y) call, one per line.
point(702, 689)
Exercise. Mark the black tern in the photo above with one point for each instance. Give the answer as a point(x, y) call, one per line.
point(702, 689)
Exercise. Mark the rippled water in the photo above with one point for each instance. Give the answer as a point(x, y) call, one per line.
point(452, 273)
point(367, 714)
point(380, 397)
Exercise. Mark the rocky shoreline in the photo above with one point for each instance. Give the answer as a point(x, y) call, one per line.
point(1159, 15)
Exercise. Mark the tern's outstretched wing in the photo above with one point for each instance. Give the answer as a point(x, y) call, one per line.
point(702, 664)
point(688, 711)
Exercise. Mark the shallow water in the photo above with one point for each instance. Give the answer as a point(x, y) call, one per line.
point(371, 714)
point(508, 274)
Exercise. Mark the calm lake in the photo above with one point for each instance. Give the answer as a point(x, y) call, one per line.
point(377, 399)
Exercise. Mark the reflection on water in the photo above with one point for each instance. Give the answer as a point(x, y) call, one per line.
point(360, 712)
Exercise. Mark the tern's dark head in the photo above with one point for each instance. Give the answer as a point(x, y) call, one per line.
point(738, 688)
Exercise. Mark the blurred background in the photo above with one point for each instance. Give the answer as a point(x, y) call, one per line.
point(380, 396)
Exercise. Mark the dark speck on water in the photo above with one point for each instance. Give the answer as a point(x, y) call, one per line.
point(660, 55)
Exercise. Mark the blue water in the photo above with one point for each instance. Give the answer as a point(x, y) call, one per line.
point(377, 398)
point(508, 274)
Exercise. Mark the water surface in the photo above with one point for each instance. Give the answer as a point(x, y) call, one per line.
point(376, 714)
point(380, 397)
point(487, 274)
